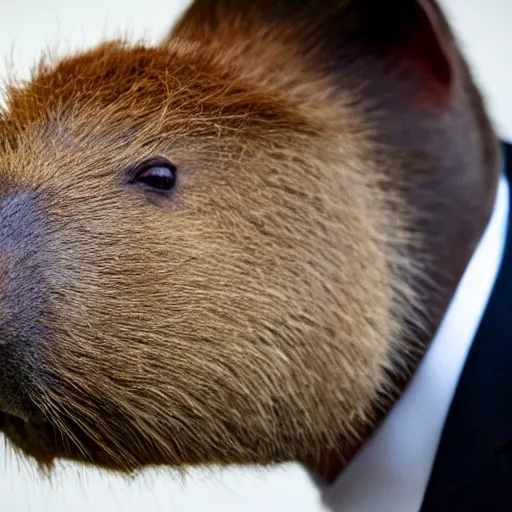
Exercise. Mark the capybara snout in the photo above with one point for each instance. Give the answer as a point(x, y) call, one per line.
point(23, 235)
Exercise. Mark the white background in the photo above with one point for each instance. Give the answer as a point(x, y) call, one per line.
point(29, 27)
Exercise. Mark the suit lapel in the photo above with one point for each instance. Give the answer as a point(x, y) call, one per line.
point(473, 466)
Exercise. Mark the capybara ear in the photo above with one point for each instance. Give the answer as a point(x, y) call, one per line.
point(408, 38)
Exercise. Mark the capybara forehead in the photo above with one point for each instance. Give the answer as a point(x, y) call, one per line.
point(131, 86)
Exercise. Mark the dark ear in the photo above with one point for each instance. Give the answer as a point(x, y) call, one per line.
point(410, 36)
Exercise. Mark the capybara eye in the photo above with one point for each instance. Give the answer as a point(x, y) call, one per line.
point(156, 173)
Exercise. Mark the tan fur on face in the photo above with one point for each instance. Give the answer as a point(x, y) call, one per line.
point(251, 317)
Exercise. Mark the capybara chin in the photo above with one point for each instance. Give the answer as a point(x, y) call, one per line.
point(224, 248)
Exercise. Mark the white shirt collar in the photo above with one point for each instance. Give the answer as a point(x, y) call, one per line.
point(391, 472)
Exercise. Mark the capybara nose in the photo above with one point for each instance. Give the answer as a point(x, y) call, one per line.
point(24, 268)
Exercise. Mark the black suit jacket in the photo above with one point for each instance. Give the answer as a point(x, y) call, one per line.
point(472, 470)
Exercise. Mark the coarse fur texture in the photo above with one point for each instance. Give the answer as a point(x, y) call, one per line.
point(264, 311)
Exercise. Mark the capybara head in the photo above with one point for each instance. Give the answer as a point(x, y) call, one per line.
point(221, 248)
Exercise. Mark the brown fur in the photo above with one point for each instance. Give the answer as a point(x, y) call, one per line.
point(260, 314)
